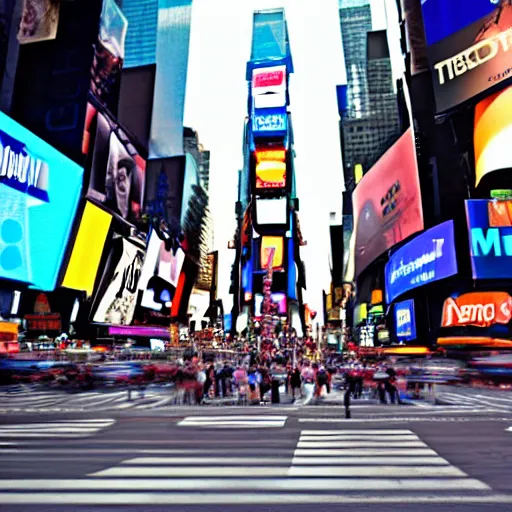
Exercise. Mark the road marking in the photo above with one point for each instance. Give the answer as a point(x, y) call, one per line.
point(364, 451)
point(360, 444)
point(234, 421)
point(73, 428)
point(354, 432)
point(258, 484)
point(201, 461)
point(358, 460)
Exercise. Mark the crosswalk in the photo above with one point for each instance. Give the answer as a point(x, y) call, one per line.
point(58, 429)
point(326, 466)
point(473, 399)
point(232, 421)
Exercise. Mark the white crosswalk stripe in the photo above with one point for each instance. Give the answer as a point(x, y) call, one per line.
point(315, 474)
point(254, 421)
point(60, 429)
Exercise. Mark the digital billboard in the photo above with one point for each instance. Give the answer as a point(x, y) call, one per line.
point(490, 238)
point(468, 47)
point(39, 21)
point(430, 257)
point(271, 122)
point(387, 203)
point(269, 87)
point(278, 299)
point(160, 273)
point(481, 309)
point(87, 249)
point(493, 133)
point(267, 244)
point(117, 171)
point(270, 175)
point(116, 298)
point(271, 212)
point(39, 194)
point(405, 320)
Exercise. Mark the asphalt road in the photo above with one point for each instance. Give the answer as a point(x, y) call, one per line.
point(386, 458)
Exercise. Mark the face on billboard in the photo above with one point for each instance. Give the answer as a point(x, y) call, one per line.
point(469, 48)
point(490, 238)
point(117, 170)
point(267, 244)
point(39, 193)
point(405, 320)
point(87, 249)
point(387, 203)
point(493, 133)
point(429, 257)
point(117, 296)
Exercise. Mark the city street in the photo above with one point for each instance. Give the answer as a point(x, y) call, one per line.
point(266, 458)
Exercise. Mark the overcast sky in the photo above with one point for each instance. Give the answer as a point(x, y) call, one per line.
point(216, 102)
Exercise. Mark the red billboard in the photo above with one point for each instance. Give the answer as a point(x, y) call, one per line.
point(387, 203)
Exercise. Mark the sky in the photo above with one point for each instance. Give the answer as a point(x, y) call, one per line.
point(216, 106)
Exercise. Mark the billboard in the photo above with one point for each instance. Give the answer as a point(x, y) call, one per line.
point(269, 87)
point(270, 122)
point(387, 203)
point(271, 212)
point(278, 299)
point(39, 21)
point(405, 320)
point(481, 309)
point(87, 249)
point(490, 238)
point(493, 133)
point(268, 243)
point(270, 171)
point(117, 171)
point(430, 257)
point(468, 47)
point(116, 298)
point(160, 272)
point(39, 194)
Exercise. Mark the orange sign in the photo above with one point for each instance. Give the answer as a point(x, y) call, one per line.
point(270, 174)
point(270, 155)
point(477, 308)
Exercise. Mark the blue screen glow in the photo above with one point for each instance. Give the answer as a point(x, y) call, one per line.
point(39, 193)
point(270, 121)
point(405, 321)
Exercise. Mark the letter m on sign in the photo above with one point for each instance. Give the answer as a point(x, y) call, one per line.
point(483, 245)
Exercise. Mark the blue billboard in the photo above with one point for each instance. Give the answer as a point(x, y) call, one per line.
point(490, 238)
point(429, 257)
point(405, 320)
point(39, 194)
point(443, 18)
point(270, 122)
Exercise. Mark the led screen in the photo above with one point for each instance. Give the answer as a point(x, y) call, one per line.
point(405, 320)
point(39, 193)
point(270, 122)
point(117, 296)
point(271, 211)
point(268, 243)
point(493, 133)
point(490, 238)
point(269, 87)
point(468, 47)
point(429, 257)
point(278, 299)
point(387, 203)
point(160, 273)
point(270, 175)
point(117, 170)
point(87, 249)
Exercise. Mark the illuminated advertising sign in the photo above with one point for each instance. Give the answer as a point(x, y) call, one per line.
point(268, 243)
point(39, 193)
point(147, 332)
point(270, 175)
point(387, 203)
point(481, 309)
point(117, 295)
point(492, 133)
point(278, 299)
point(87, 249)
point(269, 87)
point(490, 238)
point(160, 273)
point(429, 257)
point(271, 212)
point(468, 47)
point(405, 320)
point(117, 170)
point(270, 122)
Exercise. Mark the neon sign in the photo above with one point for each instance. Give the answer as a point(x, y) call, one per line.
point(481, 309)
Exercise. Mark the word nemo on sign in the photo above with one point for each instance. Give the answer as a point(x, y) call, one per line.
point(49, 322)
point(481, 309)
